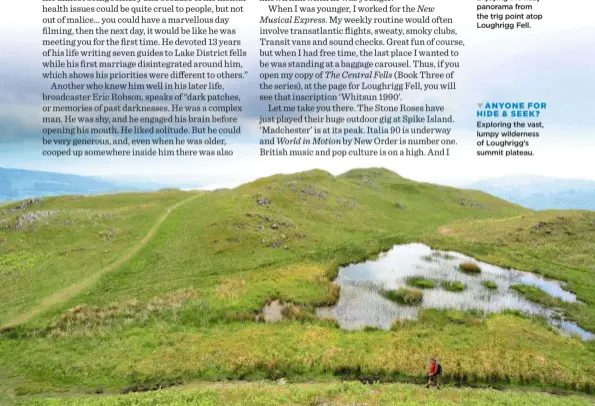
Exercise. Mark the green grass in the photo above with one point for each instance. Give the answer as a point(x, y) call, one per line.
point(490, 285)
point(537, 295)
point(406, 296)
point(82, 236)
point(470, 268)
point(184, 307)
point(453, 286)
point(557, 244)
point(332, 393)
point(161, 354)
point(419, 282)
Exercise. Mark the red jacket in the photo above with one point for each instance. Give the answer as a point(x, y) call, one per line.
point(433, 368)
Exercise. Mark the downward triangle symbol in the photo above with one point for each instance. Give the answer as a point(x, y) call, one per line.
point(480, 105)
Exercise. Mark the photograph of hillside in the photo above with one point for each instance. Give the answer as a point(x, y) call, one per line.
point(296, 289)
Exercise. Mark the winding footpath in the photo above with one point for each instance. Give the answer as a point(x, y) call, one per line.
point(67, 293)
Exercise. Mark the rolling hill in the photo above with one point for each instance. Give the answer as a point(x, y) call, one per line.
point(130, 292)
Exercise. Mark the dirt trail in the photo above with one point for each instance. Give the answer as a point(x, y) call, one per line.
point(444, 230)
point(69, 292)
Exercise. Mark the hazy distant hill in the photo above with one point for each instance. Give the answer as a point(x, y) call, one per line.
point(17, 184)
point(541, 193)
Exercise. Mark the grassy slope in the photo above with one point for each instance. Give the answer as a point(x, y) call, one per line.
point(82, 235)
point(222, 256)
point(322, 220)
point(336, 394)
point(555, 243)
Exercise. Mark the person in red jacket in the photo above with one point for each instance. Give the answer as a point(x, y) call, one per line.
point(434, 373)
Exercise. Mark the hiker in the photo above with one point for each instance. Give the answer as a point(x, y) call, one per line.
point(435, 372)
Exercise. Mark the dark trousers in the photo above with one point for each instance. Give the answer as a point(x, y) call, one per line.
point(433, 381)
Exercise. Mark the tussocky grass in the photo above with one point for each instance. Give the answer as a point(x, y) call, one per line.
point(184, 307)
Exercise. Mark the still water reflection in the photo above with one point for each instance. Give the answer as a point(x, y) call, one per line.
point(361, 303)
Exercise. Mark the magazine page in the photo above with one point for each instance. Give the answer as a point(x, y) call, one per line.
point(297, 202)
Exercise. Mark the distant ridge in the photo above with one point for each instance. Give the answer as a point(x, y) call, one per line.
point(540, 192)
point(18, 184)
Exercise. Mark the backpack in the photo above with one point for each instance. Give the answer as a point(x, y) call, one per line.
point(439, 369)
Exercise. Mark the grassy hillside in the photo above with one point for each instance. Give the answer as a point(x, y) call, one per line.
point(53, 243)
point(336, 394)
point(182, 305)
point(312, 218)
point(559, 244)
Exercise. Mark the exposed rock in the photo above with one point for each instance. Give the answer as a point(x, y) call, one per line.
point(106, 236)
point(32, 217)
point(350, 202)
point(367, 182)
point(468, 203)
point(263, 201)
point(23, 205)
point(269, 219)
point(273, 311)
point(305, 190)
point(275, 244)
point(105, 215)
